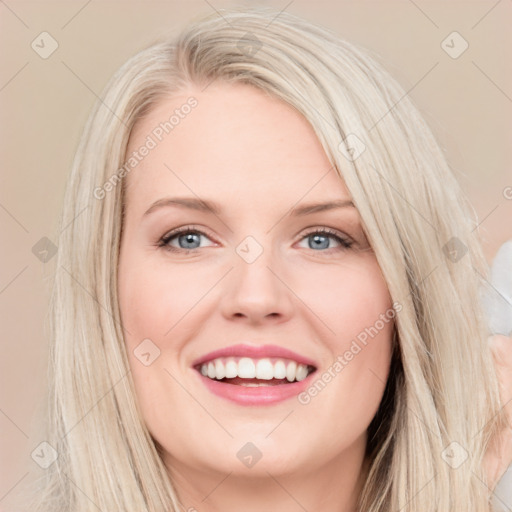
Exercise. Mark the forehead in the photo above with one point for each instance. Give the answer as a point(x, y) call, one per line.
point(226, 138)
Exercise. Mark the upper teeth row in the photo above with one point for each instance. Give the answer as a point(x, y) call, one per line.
point(247, 368)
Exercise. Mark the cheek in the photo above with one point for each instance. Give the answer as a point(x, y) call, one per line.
point(348, 298)
point(353, 303)
point(153, 298)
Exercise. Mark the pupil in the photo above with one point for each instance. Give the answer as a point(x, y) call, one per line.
point(318, 238)
point(189, 238)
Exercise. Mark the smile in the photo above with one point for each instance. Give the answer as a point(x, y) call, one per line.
point(254, 375)
point(237, 370)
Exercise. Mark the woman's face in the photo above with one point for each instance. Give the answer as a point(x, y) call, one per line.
point(257, 277)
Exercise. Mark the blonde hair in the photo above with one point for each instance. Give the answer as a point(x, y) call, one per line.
point(441, 387)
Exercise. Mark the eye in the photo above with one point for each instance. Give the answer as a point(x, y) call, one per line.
point(319, 239)
point(187, 239)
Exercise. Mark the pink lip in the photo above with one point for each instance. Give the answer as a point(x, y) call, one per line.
point(255, 352)
point(261, 395)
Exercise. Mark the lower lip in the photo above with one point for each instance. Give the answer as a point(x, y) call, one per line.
point(260, 395)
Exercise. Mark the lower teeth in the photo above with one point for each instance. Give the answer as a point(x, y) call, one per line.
point(253, 384)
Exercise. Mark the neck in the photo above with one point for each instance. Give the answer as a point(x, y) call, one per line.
point(335, 486)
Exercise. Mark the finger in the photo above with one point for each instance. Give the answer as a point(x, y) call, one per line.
point(499, 455)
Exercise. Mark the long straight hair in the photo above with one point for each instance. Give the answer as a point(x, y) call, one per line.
point(441, 403)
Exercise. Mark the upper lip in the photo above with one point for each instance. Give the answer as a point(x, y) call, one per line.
point(255, 352)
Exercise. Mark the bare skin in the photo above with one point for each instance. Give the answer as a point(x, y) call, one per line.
point(258, 159)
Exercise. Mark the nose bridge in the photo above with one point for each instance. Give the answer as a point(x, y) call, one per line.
point(255, 289)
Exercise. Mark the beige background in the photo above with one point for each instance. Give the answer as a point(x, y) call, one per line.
point(44, 104)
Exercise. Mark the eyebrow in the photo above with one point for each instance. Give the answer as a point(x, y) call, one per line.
point(203, 205)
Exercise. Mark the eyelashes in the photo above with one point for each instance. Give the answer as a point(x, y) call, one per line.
point(329, 234)
point(164, 242)
point(316, 234)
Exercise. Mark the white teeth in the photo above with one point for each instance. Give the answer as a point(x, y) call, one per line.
point(248, 368)
point(211, 370)
point(291, 370)
point(302, 372)
point(220, 372)
point(279, 370)
point(231, 369)
point(264, 369)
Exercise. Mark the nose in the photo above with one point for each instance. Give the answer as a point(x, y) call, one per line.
point(257, 292)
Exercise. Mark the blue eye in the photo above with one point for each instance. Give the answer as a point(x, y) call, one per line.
point(187, 238)
point(319, 239)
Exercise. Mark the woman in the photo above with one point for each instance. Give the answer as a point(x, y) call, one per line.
point(305, 356)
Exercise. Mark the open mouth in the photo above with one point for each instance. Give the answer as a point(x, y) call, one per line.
point(250, 372)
